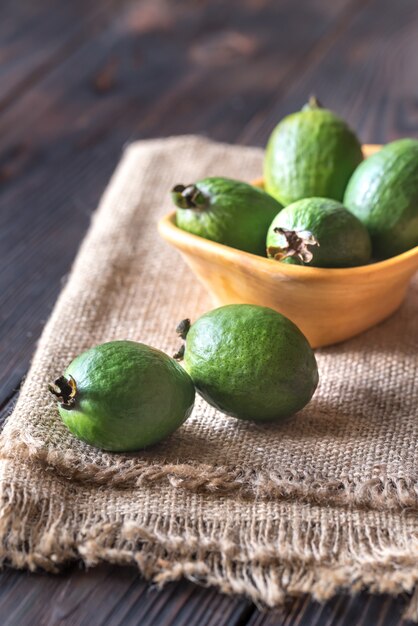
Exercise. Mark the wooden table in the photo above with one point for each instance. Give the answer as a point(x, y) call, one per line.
point(81, 78)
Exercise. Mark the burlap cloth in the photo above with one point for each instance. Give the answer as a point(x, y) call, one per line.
point(325, 501)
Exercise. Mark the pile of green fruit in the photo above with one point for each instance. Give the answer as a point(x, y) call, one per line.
point(246, 360)
point(323, 205)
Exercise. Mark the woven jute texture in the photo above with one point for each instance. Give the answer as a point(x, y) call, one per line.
point(327, 500)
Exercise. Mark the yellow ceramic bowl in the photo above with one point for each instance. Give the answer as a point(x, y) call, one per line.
point(328, 305)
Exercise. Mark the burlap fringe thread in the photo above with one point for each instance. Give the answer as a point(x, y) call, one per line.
point(389, 493)
point(265, 574)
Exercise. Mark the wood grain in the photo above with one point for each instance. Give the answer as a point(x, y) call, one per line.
point(111, 596)
point(78, 81)
point(367, 73)
point(343, 610)
point(49, 32)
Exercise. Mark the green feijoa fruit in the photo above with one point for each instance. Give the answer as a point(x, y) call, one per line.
point(319, 232)
point(383, 194)
point(123, 396)
point(250, 362)
point(310, 153)
point(226, 211)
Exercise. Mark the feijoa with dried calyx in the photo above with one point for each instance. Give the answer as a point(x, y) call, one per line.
point(319, 232)
point(227, 211)
point(250, 362)
point(123, 396)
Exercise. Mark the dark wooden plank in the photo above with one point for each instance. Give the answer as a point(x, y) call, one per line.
point(111, 596)
point(251, 57)
point(343, 610)
point(368, 75)
point(191, 63)
point(61, 141)
point(6, 407)
point(37, 35)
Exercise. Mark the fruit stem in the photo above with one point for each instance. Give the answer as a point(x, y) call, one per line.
point(183, 328)
point(296, 245)
point(189, 197)
point(313, 103)
point(178, 356)
point(64, 390)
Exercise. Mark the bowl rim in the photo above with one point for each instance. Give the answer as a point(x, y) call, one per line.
point(168, 228)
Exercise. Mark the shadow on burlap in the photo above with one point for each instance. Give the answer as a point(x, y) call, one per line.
point(325, 501)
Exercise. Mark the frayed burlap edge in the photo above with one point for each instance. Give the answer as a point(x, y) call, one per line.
point(380, 493)
point(375, 559)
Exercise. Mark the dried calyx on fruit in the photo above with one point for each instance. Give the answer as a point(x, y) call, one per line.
point(65, 390)
point(295, 245)
point(189, 197)
point(182, 329)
